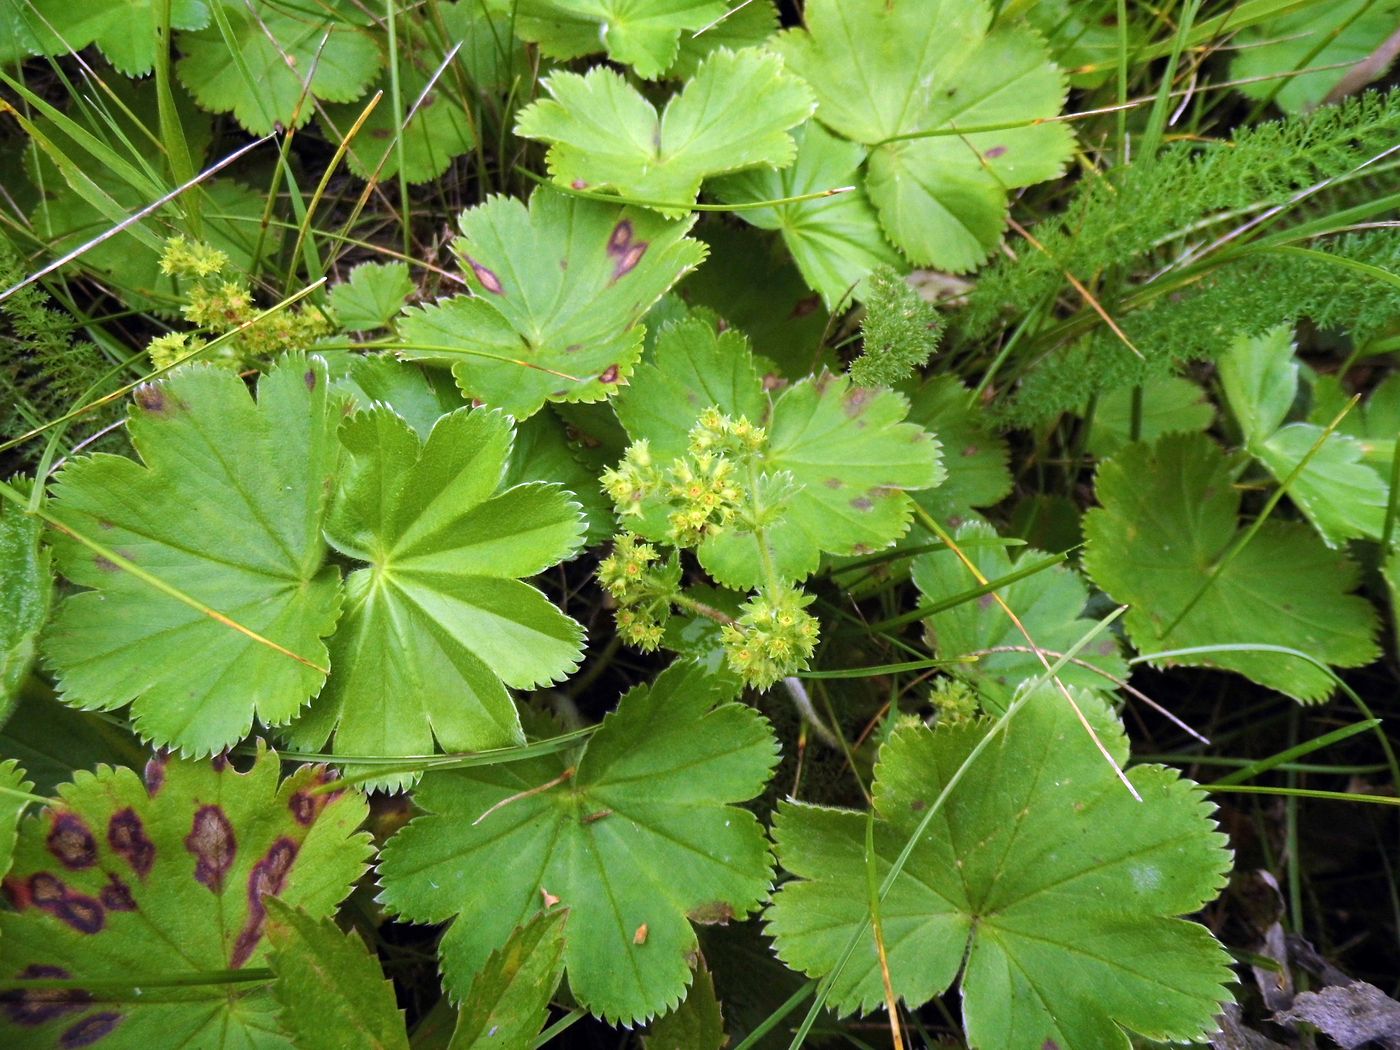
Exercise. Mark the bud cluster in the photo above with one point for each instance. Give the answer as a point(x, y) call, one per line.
point(643, 587)
point(953, 701)
point(775, 637)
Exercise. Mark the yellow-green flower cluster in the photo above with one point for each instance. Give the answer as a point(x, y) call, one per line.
point(632, 480)
point(643, 587)
point(953, 701)
point(775, 637)
point(181, 258)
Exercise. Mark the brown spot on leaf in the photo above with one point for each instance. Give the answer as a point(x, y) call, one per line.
point(214, 846)
point(579, 184)
point(640, 937)
point(220, 761)
point(104, 524)
point(772, 381)
point(856, 400)
point(310, 379)
point(598, 815)
point(629, 262)
point(31, 1007)
point(918, 805)
point(78, 910)
point(306, 805)
point(155, 773)
point(150, 398)
point(379, 133)
point(105, 564)
point(806, 306)
point(573, 348)
point(116, 895)
point(862, 503)
point(834, 483)
point(995, 152)
point(626, 253)
point(488, 279)
point(609, 375)
point(265, 880)
point(712, 913)
point(1049, 1044)
point(71, 842)
point(971, 450)
point(862, 548)
point(620, 238)
point(89, 1030)
point(127, 837)
point(550, 900)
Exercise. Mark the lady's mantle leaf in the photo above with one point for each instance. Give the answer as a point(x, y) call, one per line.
point(561, 286)
point(836, 465)
point(259, 73)
point(889, 68)
point(330, 988)
point(1048, 604)
point(1041, 871)
point(12, 807)
point(697, 1024)
point(371, 296)
point(123, 881)
point(643, 34)
point(26, 590)
point(633, 837)
point(126, 32)
point(509, 1000)
point(836, 242)
point(733, 114)
point(1169, 513)
point(1343, 497)
point(228, 509)
point(438, 623)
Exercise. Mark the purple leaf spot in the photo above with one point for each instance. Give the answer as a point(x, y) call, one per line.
point(105, 564)
point(71, 842)
point(52, 895)
point(833, 483)
point(127, 837)
point(856, 400)
point(155, 773)
point(620, 240)
point(35, 1006)
point(995, 152)
point(219, 761)
point(862, 503)
point(150, 399)
point(609, 375)
point(89, 1030)
point(579, 184)
point(629, 260)
point(488, 279)
point(265, 880)
point(310, 379)
point(806, 306)
point(306, 805)
point(971, 450)
point(213, 844)
point(116, 895)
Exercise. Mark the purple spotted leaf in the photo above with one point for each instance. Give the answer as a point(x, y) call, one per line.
point(560, 287)
point(838, 461)
point(124, 880)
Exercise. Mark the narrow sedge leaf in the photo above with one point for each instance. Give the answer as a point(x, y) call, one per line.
point(246, 543)
point(332, 994)
point(1158, 543)
point(26, 591)
point(438, 623)
point(733, 114)
point(559, 290)
point(509, 1000)
point(1043, 886)
point(1050, 604)
point(637, 837)
point(119, 880)
point(889, 68)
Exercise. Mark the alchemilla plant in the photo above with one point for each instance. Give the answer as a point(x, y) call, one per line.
point(685, 524)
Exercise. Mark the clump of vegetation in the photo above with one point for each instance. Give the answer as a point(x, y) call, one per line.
point(682, 525)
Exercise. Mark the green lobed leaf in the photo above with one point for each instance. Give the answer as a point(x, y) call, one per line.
point(697, 1024)
point(129, 882)
point(836, 242)
point(125, 32)
point(1041, 879)
point(974, 455)
point(1049, 603)
point(835, 470)
point(643, 34)
point(26, 593)
point(887, 68)
point(259, 73)
point(747, 23)
point(371, 296)
point(1170, 405)
point(246, 543)
point(560, 285)
point(734, 113)
point(12, 807)
point(634, 835)
point(509, 1000)
point(1259, 376)
point(1168, 514)
point(438, 623)
point(331, 992)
